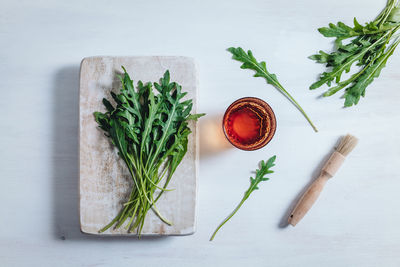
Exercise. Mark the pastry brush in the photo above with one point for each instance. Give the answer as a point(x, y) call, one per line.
point(346, 145)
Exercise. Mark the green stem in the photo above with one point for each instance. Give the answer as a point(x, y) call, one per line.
point(128, 227)
point(124, 216)
point(286, 94)
point(229, 217)
point(343, 84)
point(385, 12)
point(105, 228)
point(154, 183)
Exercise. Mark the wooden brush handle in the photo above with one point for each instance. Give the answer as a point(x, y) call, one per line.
point(308, 199)
point(313, 191)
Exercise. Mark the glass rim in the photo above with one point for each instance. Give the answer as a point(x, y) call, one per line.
point(271, 118)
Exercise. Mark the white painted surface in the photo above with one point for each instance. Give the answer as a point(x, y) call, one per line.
point(354, 223)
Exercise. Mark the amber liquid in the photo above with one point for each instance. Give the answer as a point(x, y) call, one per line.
point(249, 123)
point(246, 125)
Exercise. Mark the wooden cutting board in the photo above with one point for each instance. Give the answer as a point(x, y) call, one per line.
point(104, 179)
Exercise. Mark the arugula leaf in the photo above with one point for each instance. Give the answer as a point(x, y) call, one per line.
point(250, 62)
point(342, 31)
point(151, 134)
point(369, 47)
point(265, 168)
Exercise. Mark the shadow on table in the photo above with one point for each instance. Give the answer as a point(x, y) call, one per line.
point(212, 139)
point(65, 160)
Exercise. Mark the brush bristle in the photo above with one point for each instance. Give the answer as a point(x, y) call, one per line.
point(347, 144)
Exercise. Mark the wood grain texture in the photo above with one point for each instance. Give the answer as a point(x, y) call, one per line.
point(104, 179)
point(308, 199)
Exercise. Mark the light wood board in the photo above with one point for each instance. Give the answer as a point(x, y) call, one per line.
point(104, 180)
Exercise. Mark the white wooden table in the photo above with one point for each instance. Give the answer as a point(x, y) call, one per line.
point(354, 223)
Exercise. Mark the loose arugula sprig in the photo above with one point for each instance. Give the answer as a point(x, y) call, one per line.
point(370, 47)
point(151, 133)
point(250, 62)
point(265, 168)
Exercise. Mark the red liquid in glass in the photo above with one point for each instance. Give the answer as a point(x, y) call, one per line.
point(249, 123)
point(245, 125)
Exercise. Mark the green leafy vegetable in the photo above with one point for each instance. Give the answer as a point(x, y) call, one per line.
point(151, 133)
point(265, 168)
point(368, 47)
point(249, 62)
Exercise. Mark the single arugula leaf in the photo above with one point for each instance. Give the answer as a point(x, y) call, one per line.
point(343, 31)
point(261, 172)
point(340, 30)
point(369, 47)
point(250, 62)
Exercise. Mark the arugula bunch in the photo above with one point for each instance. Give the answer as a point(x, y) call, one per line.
point(151, 133)
point(265, 168)
point(250, 62)
point(368, 47)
